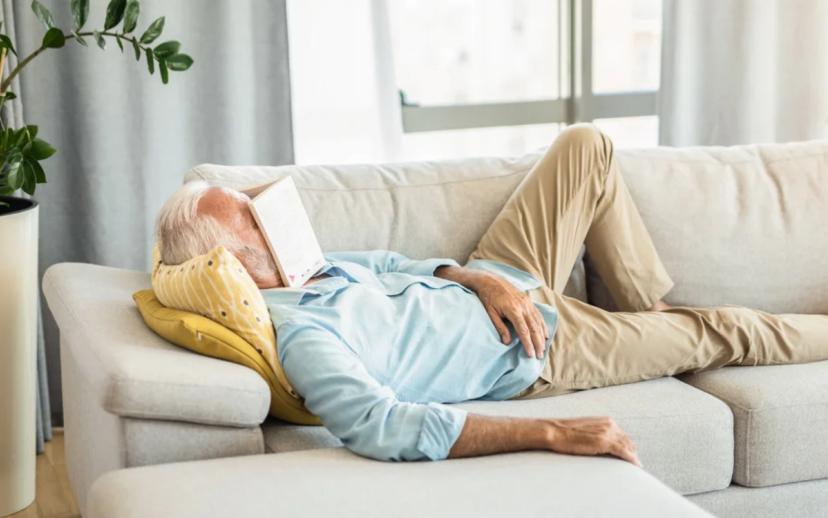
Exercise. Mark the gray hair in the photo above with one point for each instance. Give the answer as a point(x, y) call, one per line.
point(183, 233)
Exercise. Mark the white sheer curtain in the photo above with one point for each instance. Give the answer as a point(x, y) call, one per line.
point(346, 104)
point(743, 71)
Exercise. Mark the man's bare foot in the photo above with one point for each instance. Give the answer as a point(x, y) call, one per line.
point(659, 306)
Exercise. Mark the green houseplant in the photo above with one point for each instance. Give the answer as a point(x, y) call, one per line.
point(21, 154)
point(20, 150)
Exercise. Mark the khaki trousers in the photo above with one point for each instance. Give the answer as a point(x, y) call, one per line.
point(574, 195)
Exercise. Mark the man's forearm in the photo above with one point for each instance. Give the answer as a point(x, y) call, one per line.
point(484, 435)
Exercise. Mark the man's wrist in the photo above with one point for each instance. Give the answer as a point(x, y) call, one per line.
point(465, 277)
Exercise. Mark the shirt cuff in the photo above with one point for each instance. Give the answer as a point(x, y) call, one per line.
point(441, 428)
point(426, 267)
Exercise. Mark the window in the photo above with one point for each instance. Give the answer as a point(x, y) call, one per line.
point(468, 77)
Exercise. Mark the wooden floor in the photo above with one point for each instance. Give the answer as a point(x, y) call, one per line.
point(53, 496)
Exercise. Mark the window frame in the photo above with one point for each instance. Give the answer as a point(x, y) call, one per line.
point(579, 103)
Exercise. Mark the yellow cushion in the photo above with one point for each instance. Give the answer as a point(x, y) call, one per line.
point(217, 286)
point(201, 335)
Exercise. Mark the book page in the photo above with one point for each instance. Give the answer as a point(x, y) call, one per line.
point(283, 221)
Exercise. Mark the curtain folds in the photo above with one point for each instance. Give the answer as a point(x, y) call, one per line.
point(124, 140)
point(743, 71)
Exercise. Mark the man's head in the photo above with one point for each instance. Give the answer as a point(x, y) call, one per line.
point(198, 218)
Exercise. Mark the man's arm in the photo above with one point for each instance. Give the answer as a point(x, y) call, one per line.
point(503, 301)
point(371, 422)
point(365, 415)
point(483, 435)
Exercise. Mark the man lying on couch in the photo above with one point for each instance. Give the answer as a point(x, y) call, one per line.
point(377, 343)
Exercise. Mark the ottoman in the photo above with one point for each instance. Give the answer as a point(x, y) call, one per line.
point(334, 482)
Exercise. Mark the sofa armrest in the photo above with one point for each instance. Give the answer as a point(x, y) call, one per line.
point(135, 372)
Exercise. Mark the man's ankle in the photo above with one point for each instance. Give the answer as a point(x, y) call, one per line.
point(659, 306)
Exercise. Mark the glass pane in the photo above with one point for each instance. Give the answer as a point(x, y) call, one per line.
point(631, 131)
point(501, 141)
point(626, 45)
point(475, 51)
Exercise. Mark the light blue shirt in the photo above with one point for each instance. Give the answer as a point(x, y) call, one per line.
point(379, 347)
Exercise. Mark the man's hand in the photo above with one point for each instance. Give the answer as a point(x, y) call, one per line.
point(484, 435)
point(502, 300)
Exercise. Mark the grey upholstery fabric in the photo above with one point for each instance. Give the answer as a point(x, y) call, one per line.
point(800, 500)
point(334, 482)
point(780, 419)
point(135, 372)
point(98, 441)
point(281, 437)
point(148, 441)
point(738, 225)
point(420, 209)
point(684, 437)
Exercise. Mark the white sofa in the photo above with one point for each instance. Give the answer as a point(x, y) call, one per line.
point(741, 225)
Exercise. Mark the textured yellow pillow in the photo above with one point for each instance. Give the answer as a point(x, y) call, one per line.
point(217, 286)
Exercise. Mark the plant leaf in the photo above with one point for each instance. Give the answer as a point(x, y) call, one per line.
point(29, 178)
point(137, 49)
point(40, 150)
point(133, 8)
point(40, 174)
point(179, 62)
point(80, 12)
point(43, 15)
point(54, 38)
point(165, 73)
point(167, 49)
point(100, 39)
point(153, 31)
point(10, 96)
point(15, 174)
point(120, 45)
point(150, 61)
point(32, 131)
point(20, 137)
point(114, 13)
point(7, 43)
point(80, 38)
point(5, 190)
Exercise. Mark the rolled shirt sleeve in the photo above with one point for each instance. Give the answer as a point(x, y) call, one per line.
point(384, 261)
point(366, 416)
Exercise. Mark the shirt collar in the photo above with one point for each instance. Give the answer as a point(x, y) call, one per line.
point(294, 296)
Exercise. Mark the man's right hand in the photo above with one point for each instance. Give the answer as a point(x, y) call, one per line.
point(592, 436)
point(483, 435)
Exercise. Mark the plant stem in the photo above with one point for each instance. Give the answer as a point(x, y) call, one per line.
point(7, 82)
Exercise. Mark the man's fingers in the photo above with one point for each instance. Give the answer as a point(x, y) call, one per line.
point(538, 333)
point(501, 328)
point(519, 322)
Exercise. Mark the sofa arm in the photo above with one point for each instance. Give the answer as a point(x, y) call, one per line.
point(134, 372)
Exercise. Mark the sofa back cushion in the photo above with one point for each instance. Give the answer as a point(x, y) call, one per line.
point(419, 209)
point(744, 225)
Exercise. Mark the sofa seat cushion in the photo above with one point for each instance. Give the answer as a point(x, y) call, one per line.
point(135, 372)
point(684, 436)
point(780, 419)
point(334, 482)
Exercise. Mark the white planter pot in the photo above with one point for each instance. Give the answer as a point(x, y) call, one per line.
point(18, 342)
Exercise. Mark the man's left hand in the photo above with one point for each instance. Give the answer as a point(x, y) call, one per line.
point(503, 301)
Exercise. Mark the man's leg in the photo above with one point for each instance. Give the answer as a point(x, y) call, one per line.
point(595, 348)
point(576, 194)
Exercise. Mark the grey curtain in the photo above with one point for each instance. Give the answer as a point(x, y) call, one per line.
point(125, 140)
point(743, 71)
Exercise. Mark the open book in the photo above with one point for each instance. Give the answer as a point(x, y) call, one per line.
point(281, 217)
